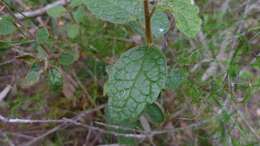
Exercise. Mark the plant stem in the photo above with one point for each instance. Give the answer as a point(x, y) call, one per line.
point(148, 29)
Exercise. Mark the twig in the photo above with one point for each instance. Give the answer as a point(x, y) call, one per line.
point(63, 120)
point(43, 136)
point(141, 134)
point(5, 92)
point(41, 11)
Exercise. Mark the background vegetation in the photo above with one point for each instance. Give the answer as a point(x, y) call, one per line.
point(53, 66)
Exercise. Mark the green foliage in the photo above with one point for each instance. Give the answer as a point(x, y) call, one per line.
point(72, 30)
point(6, 26)
point(55, 78)
point(160, 24)
point(186, 15)
point(77, 42)
point(32, 77)
point(175, 78)
point(30, 104)
point(75, 3)
point(56, 11)
point(115, 11)
point(155, 113)
point(67, 58)
point(135, 81)
point(42, 36)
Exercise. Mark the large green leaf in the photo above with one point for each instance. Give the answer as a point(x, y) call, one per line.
point(135, 80)
point(186, 15)
point(116, 11)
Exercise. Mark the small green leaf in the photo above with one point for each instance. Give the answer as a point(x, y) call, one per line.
point(73, 31)
point(175, 78)
point(6, 26)
point(75, 3)
point(186, 15)
point(41, 54)
point(155, 113)
point(56, 11)
point(115, 11)
point(55, 78)
point(32, 77)
point(160, 24)
point(79, 15)
point(42, 35)
point(134, 81)
point(68, 57)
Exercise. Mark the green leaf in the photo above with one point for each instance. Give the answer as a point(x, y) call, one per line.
point(186, 15)
point(56, 11)
point(75, 3)
point(41, 54)
point(135, 80)
point(6, 26)
point(115, 11)
point(154, 113)
point(42, 35)
point(160, 24)
point(79, 15)
point(68, 57)
point(55, 78)
point(32, 77)
point(175, 78)
point(73, 31)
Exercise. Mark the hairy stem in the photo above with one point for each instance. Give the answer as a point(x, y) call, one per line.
point(148, 28)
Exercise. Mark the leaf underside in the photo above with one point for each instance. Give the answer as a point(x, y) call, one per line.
point(134, 81)
point(115, 11)
point(186, 16)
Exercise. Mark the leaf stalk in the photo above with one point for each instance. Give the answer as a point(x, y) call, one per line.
point(148, 28)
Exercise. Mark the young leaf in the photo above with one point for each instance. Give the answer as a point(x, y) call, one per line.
point(55, 78)
point(68, 57)
point(186, 15)
point(73, 31)
point(56, 11)
point(41, 54)
point(154, 113)
point(115, 11)
point(75, 3)
point(160, 24)
point(32, 77)
point(6, 26)
point(42, 35)
point(134, 81)
point(79, 15)
point(175, 78)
